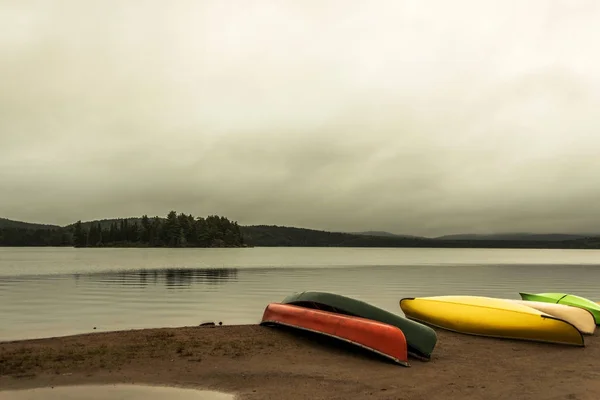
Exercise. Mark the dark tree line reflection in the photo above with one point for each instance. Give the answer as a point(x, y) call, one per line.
point(171, 277)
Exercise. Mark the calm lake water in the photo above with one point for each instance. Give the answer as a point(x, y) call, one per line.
point(61, 291)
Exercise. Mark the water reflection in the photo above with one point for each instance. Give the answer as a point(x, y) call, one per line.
point(50, 305)
point(172, 278)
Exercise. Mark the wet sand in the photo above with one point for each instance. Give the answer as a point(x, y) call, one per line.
point(115, 391)
point(257, 362)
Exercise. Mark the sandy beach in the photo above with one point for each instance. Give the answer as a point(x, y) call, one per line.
point(255, 362)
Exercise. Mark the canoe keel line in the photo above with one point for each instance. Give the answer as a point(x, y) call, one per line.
point(383, 339)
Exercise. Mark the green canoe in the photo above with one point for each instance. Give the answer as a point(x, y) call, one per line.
point(567, 299)
point(420, 338)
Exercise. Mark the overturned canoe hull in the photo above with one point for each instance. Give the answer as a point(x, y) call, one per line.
point(421, 339)
point(567, 299)
point(581, 318)
point(383, 339)
point(492, 317)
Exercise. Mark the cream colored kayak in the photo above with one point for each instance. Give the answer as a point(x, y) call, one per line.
point(488, 316)
point(581, 318)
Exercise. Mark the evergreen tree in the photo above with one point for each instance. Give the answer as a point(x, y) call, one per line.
point(113, 234)
point(99, 235)
point(156, 232)
point(145, 230)
point(79, 236)
point(172, 230)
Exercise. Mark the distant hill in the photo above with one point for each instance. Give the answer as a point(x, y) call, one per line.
point(550, 237)
point(387, 234)
point(263, 235)
point(9, 223)
point(273, 235)
point(106, 223)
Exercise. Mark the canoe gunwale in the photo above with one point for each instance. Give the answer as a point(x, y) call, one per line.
point(325, 301)
point(547, 316)
point(537, 295)
point(328, 308)
point(409, 349)
point(387, 356)
point(323, 307)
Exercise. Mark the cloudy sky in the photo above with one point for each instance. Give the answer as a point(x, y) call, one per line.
point(416, 117)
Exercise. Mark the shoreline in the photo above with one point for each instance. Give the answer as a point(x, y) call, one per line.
point(256, 362)
point(306, 247)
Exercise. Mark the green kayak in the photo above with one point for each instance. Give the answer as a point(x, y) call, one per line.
point(567, 299)
point(420, 338)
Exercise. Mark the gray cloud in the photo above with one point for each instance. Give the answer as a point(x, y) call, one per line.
point(423, 118)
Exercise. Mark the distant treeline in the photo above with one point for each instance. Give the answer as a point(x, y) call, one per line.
point(270, 235)
point(176, 230)
point(278, 236)
point(181, 230)
point(37, 237)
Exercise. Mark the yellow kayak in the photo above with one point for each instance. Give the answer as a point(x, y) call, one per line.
point(488, 316)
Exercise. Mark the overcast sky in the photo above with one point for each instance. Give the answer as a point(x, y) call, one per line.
point(416, 117)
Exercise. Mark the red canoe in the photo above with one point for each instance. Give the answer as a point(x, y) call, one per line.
point(383, 339)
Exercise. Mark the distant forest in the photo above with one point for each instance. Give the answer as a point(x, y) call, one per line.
point(176, 230)
point(181, 230)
